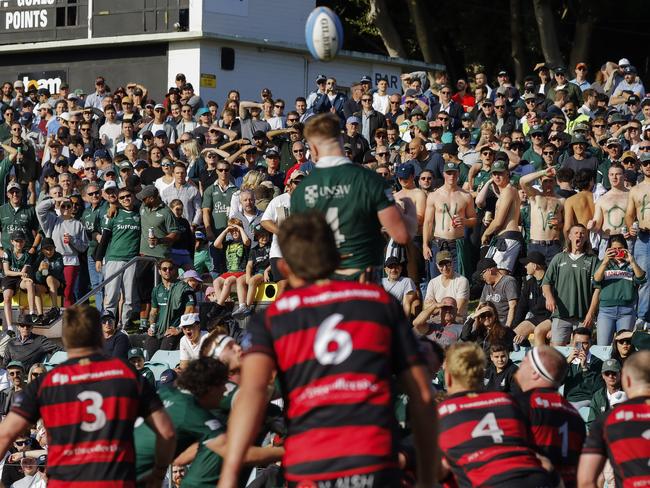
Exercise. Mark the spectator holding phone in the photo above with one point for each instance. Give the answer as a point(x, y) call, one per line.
point(584, 374)
point(619, 278)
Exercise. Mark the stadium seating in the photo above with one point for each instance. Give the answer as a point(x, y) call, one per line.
point(171, 358)
point(157, 368)
point(601, 352)
point(56, 359)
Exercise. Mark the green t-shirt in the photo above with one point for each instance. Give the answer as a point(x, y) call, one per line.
point(619, 286)
point(148, 375)
point(481, 178)
point(125, 230)
point(349, 196)
point(235, 256)
point(91, 219)
point(5, 168)
point(163, 222)
point(218, 201)
point(533, 158)
point(192, 422)
point(21, 218)
point(17, 263)
point(160, 300)
point(571, 283)
point(203, 261)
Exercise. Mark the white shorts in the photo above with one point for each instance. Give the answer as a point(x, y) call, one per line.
point(505, 252)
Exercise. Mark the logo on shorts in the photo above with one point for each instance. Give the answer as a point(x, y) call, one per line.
point(311, 195)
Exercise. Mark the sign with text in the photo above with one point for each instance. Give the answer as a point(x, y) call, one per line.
point(21, 15)
point(44, 79)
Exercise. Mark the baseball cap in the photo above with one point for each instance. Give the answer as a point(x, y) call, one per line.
point(616, 117)
point(47, 242)
point(536, 129)
point(140, 163)
point(189, 319)
point(199, 235)
point(623, 62)
point(147, 191)
point(13, 186)
point(110, 170)
point(259, 134)
point(610, 142)
point(416, 111)
point(136, 352)
point(528, 96)
point(167, 377)
point(101, 154)
point(391, 261)
point(410, 93)
point(484, 264)
point(73, 96)
point(365, 79)
point(16, 364)
point(449, 148)
point(502, 73)
point(632, 100)
point(534, 257)
point(578, 139)
point(450, 167)
point(629, 70)
point(161, 134)
point(610, 365)
point(443, 256)
point(628, 154)
point(192, 274)
point(353, 120)
point(26, 117)
point(499, 166)
point(17, 235)
point(297, 174)
point(581, 65)
point(19, 84)
point(321, 78)
point(581, 126)
point(65, 116)
point(125, 164)
point(203, 111)
point(466, 116)
point(220, 344)
point(107, 315)
point(108, 185)
point(404, 170)
point(158, 105)
point(560, 70)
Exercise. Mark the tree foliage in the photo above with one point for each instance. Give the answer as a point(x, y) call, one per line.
point(499, 34)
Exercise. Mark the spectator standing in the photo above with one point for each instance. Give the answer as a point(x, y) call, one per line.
point(92, 222)
point(215, 208)
point(187, 193)
point(500, 289)
point(95, 100)
point(618, 277)
point(568, 289)
point(69, 237)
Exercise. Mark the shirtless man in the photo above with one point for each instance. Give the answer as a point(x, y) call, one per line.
point(609, 217)
point(638, 211)
point(505, 225)
point(405, 174)
point(580, 208)
point(546, 213)
point(448, 211)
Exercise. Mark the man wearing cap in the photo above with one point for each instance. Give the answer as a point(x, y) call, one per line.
point(159, 123)
point(250, 119)
point(358, 144)
point(630, 84)
point(332, 101)
point(16, 372)
point(116, 342)
point(136, 359)
point(500, 288)
point(28, 348)
point(449, 210)
point(534, 153)
point(321, 81)
point(560, 82)
point(503, 234)
point(448, 284)
point(581, 77)
point(609, 214)
point(637, 215)
point(546, 213)
point(193, 337)
point(405, 176)
point(557, 429)
point(580, 159)
point(92, 221)
point(95, 99)
point(611, 394)
point(401, 287)
point(14, 215)
point(614, 154)
point(444, 331)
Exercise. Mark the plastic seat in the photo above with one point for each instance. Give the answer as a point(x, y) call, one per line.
point(518, 356)
point(172, 358)
point(58, 357)
point(565, 350)
point(584, 413)
point(157, 368)
point(266, 292)
point(601, 352)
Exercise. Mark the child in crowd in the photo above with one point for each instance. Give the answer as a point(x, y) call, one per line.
point(258, 270)
point(17, 266)
point(499, 375)
point(49, 278)
point(136, 358)
point(236, 244)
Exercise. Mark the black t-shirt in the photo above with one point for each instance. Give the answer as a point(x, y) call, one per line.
point(260, 258)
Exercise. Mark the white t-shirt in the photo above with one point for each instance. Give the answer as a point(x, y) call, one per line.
point(457, 288)
point(398, 288)
point(276, 211)
point(188, 350)
point(381, 103)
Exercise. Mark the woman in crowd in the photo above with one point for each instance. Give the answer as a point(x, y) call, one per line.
point(619, 277)
point(484, 328)
point(622, 347)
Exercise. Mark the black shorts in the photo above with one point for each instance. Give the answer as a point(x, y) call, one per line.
point(11, 283)
point(144, 280)
point(276, 275)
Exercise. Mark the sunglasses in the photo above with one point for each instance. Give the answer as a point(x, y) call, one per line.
point(394, 103)
point(211, 155)
point(278, 106)
point(298, 151)
point(14, 191)
point(366, 100)
point(222, 170)
point(36, 374)
point(14, 373)
point(444, 264)
point(84, 130)
point(443, 118)
point(627, 342)
point(599, 126)
point(124, 197)
point(167, 268)
point(645, 163)
point(66, 206)
point(445, 92)
point(94, 193)
point(292, 120)
point(484, 316)
point(548, 153)
point(23, 443)
point(499, 106)
point(644, 148)
point(90, 168)
point(610, 373)
point(382, 154)
point(426, 178)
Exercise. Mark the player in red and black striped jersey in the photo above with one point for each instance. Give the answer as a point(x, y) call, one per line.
point(483, 435)
point(557, 428)
point(336, 346)
point(88, 405)
point(622, 435)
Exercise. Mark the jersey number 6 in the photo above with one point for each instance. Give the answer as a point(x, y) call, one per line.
point(332, 345)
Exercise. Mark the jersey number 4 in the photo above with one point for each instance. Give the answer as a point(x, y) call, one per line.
point(488, 427)
point(332, 345)
point(92, 404)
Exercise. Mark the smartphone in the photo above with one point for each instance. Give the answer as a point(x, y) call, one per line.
point(579, 346)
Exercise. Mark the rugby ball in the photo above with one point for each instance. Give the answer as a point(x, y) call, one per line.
point(323, 34)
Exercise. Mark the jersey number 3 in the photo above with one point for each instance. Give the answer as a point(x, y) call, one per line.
point(92, 404)
point(332, 345)
point(488, 427)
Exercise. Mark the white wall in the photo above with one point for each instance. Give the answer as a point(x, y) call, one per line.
point(274, 20)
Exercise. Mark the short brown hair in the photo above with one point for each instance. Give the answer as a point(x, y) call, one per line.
point(324, 127)
point(304, 236)
point(82, 327)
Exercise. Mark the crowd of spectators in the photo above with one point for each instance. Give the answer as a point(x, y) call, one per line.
point(532, 203)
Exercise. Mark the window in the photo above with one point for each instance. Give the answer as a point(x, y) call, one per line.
point(66, 16)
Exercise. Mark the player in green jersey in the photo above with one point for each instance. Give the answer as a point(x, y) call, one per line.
point(357, 203)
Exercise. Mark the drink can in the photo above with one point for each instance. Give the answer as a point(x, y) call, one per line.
point(487, 216)
point(46, 271)
point(151, 236)
point(635, 226)
point(624, 229)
